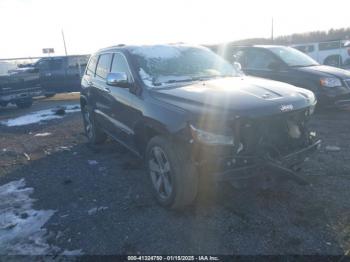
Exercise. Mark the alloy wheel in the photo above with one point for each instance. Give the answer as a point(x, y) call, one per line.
point(88, 123)
point(160, 170)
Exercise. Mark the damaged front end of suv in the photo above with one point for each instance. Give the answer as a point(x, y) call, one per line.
point(276, 144)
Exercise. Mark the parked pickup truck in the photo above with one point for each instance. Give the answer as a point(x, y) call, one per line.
point(19, 86)
point(61, 73)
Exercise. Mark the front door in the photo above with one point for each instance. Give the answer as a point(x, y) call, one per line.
point(121, 112)
point(52, 74)
point(262, 63)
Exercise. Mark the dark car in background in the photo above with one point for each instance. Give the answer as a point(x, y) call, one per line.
point(61, 74)
point(189, 113)
point(331, 85)
point(19, 86)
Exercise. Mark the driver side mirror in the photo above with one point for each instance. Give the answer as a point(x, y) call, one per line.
point(119, 79)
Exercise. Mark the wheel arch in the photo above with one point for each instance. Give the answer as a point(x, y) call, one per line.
point(83, 101)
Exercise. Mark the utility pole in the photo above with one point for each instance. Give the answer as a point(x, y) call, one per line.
point(272, 30)
point(64, 43)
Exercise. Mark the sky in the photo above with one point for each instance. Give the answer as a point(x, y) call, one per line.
point(27, 26)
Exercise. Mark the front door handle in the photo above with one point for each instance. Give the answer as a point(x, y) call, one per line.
point(107, 89)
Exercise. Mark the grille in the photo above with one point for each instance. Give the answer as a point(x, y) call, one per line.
point(272, 131)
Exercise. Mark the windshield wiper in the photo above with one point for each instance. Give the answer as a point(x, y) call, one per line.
point(171, 81)
point(202, 78)
point(304, 65)
point(194, 78)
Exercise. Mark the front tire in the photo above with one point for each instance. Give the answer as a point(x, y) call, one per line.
point(94, 134)
point(174, 178)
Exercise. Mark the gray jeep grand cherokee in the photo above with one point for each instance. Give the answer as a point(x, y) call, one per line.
point(189, 113)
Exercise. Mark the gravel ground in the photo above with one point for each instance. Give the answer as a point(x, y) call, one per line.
point(102, 203)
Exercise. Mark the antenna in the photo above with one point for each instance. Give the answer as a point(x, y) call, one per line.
point(272, 30)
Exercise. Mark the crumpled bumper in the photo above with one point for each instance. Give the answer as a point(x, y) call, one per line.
point(250, 166)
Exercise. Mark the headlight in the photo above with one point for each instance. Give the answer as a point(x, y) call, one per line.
point(210, 138)
point(330, 82)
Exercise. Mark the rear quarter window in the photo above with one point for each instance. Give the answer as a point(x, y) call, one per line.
point(305, 48)
point(56, 64)
point(90, 69)
point(329, 45)
point(103, 65)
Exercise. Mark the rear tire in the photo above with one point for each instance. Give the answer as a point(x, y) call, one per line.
point(94, 134)
point(173, 175)
point(24, 103)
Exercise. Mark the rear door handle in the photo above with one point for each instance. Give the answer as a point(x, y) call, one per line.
point(89, 83)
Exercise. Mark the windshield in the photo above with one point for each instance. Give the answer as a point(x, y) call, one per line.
point(166, 64)
point(293, 57)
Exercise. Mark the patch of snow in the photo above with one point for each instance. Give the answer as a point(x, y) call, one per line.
point(77, 252)
point(92, 162)
point(146, 78)
point(27, 156)
point(43, 134)
point(160, 80)
point(333, 148)
point(21, 226)
point(39, 116)
point(64, 148)
point(26, 236)
point(157, 51)
point(94, 210)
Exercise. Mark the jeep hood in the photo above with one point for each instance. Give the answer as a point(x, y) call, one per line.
point(322, 70)
point(244, 96)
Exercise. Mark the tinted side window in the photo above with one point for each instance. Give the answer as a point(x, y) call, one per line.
point(305, 48)
point(103, 65)
point(120, 64)
point(90, 70)
point(240, 57)
point(56, 64)
point(76, 61)
point(43, 65)
point(77, 64)
point(329, 45)
point(259, 59)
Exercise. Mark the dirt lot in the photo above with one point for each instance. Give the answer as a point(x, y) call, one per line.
point(97, 200)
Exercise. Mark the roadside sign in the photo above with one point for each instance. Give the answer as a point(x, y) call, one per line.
point(48, 50)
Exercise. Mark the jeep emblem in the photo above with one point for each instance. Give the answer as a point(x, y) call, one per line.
point(285, 108)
